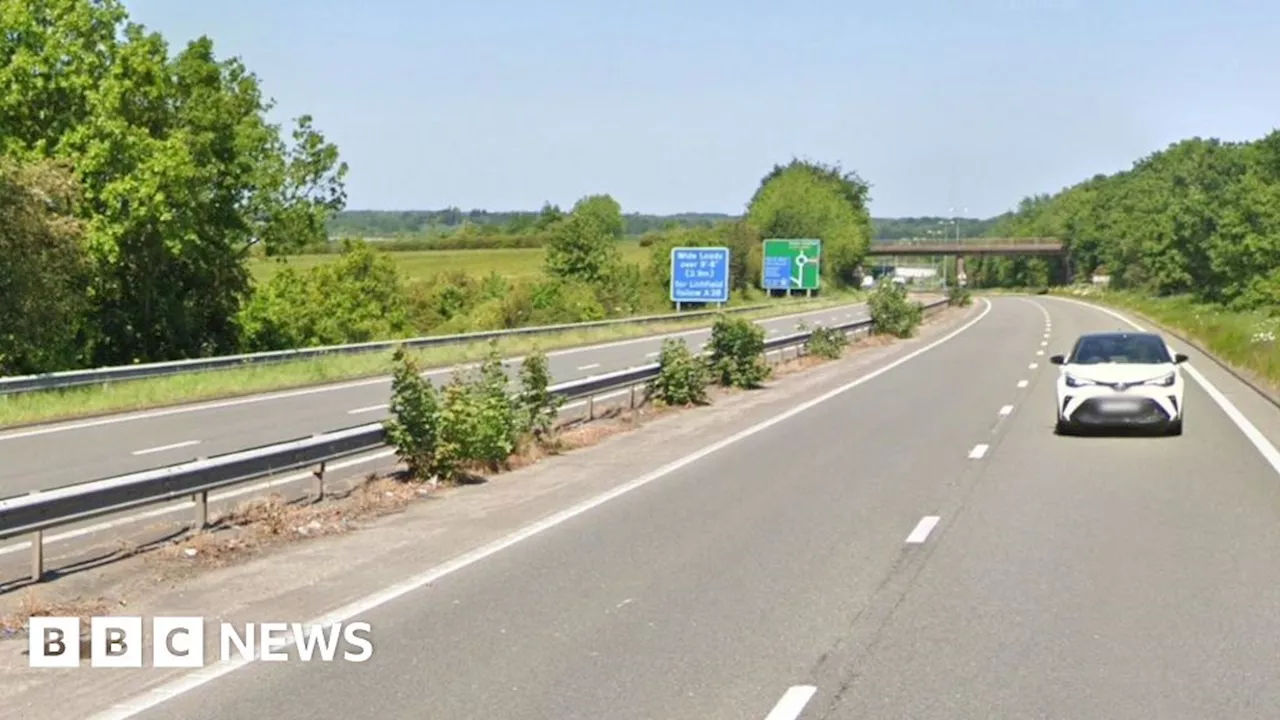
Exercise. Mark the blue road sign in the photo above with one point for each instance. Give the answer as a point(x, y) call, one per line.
point(700, 274)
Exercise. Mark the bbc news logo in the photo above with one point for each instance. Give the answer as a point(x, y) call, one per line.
point(179, 642)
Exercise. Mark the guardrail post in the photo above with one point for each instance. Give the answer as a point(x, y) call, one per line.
point(319, 473)
point(37, 555)
point(202, 509)
point(591, 407)
point(633, 397)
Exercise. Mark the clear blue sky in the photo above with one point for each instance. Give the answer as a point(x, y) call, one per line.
point(682, 105)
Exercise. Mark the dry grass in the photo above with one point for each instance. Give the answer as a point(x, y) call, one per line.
point(34, 603)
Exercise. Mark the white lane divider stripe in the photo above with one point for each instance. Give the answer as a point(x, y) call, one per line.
point(1033, 366)
point(592, 366)
point(1044, 343)
point(792, 703)
point(1022, 383)
point(978, 451)
point(1039, 352)
point(1006, 409)
point(652, 354)
point(922, 529)
point(162, 448)
point(371, 408)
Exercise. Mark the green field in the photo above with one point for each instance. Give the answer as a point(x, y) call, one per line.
point(514, 263)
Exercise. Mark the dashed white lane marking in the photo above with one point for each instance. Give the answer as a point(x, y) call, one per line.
point(1033, 366)
point(181, 685)
point(978, 451)
point(371, 408)
point(792, 703)
point(592, 366)
point(1044, 343)
point(1039, 352)
point(1046, 336)
point(162, 448)
point(1022, 383)
point(652, 354)
point(1006, 409)
point(186, 506)
point(922, 529)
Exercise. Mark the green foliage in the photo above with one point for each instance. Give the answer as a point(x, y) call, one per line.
point(809, 200)
point(414, 427)
point(959, 296)
point(893, 312)
point(682, 376)
point(737, 353)
point(539, 407)
point(827, 343)
point(1201, 217)
point(180, 172)
point(43, 269)
point(584, 246)
point(481, 422)
point(358, 298)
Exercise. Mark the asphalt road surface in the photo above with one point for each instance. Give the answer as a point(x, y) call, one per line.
point(921, 546)
point(44, 457)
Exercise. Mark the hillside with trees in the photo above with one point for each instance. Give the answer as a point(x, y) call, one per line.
point(1200, 218)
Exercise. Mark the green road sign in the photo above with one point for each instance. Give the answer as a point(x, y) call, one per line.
point(791, 264)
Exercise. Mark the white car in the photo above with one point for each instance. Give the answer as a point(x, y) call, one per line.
point(1120, 380)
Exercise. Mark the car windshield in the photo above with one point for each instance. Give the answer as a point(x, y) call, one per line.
point(1122, 349)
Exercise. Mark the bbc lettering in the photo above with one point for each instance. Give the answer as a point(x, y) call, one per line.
point(178, 642)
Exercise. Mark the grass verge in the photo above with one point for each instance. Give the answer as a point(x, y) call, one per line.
point(1244, 340)
point(89, 401)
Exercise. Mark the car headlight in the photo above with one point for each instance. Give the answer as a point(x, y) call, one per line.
point(1165, 381)
point(1073, 381)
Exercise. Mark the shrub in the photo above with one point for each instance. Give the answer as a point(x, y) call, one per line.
point(414, 427)
point(538, 406)
point(480, 421)
point(892, 312)
point(682, 377)
point(959, 296)
point(737, 353)
point(827, 343)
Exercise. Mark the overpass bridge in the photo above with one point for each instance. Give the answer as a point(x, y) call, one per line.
point(971, 247)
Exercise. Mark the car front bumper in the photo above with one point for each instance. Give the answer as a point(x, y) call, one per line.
point(1143, 411)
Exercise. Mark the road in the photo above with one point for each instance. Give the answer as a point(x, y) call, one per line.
point(920, 546)
point(115, 445)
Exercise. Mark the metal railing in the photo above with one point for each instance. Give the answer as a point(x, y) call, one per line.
point(37, 512)
point(95, 376)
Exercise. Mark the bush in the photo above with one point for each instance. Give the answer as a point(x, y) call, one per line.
point(414, 427)
point(682, 377)
point(959, 296)
point(480, 421)
point(737, 353)
point(827, 343)
point(892, 312)
point(538, 406)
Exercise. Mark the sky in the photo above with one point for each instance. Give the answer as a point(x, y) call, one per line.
point(683, 105)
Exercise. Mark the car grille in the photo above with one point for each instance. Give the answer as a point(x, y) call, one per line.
point(1149, 412)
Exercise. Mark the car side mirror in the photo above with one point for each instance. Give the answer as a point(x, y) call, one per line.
point(1057, 359)
point(1179, 358)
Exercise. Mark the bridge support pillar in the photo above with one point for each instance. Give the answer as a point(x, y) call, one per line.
point(960, 275)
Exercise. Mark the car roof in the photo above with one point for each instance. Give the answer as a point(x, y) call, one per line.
point(1119, 334)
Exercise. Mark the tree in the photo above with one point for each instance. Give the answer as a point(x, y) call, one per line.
point(583, 246)
point(42, 268)
point(810, 200)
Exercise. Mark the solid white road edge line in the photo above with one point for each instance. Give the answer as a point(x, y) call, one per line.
point(303, 392)
point(162, 448)
point(922, 529)
point(1250, 431)
point(189, 682)
point(978, 451)
point(792, 703)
